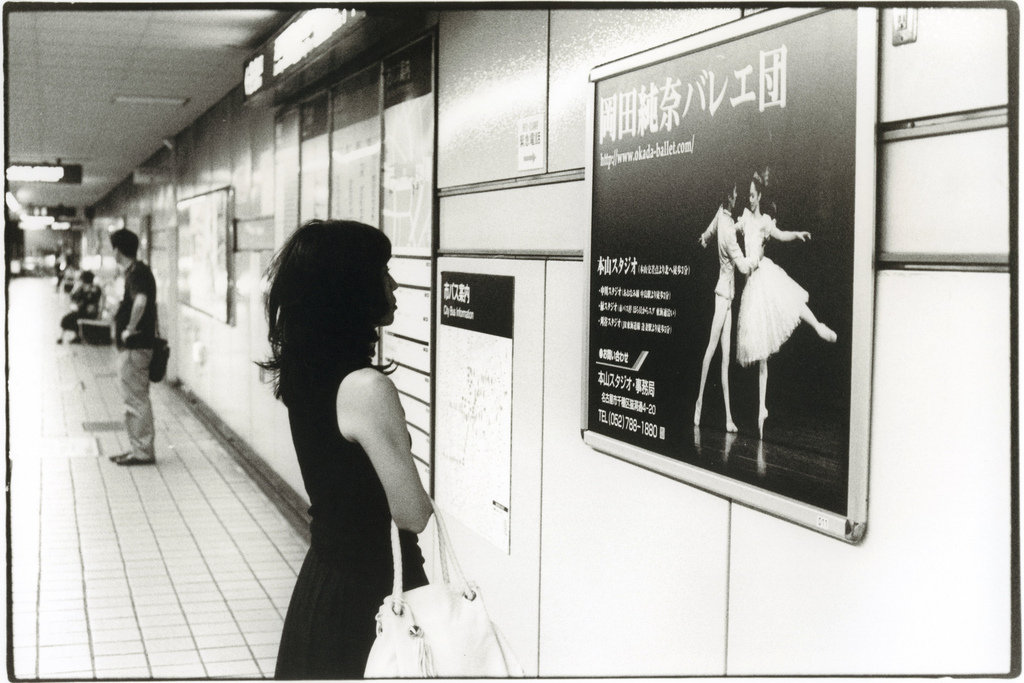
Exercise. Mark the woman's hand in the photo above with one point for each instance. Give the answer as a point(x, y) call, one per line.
point(370, 413)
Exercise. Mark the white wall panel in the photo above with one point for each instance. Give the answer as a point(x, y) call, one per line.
point(958, 63)
point(410, 271)
point(969, 215)
point(583, 39)
point(412, 354)
point(633, 564)
point(492, 72)
point(420, 445)
point(544, 218)
point(412, 319)
point(928, 589)
point(416, 413)
point(413, 383)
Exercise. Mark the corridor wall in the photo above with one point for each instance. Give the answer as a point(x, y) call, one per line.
point(619, 571)
point(230, 145)
point(642, 575)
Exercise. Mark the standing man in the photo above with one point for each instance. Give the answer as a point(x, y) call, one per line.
point(135, 325)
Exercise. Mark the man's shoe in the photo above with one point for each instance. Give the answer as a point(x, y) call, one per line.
point(132, 459)
point(120, 456)
point(76, 340)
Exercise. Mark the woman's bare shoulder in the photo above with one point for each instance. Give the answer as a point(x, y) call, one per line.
point(366, 385)
point(367, 399)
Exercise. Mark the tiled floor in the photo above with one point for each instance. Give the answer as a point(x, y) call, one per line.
point(182, 570)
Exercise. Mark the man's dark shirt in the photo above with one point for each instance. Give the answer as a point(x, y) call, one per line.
point(138, 279)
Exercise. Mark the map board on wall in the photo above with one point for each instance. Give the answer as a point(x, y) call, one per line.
point(473, 441)
point(732, 187)
point(205, 234)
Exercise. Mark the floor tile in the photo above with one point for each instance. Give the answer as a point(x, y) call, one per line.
point(179, 671)
point(56, 665)
point(264, 650)
point(63, 651)
point(115, 624)
point(262, 637)
point(205, 641)
point(261, 625)
point(62, 638)
point(267, 666)
point(167, 658)
point(174, 631)
point(155, 620)
point(118, 647)
point(226, 654)
point(175, 644)
point(115, 635)
point(120, 661)
point(132, 673)
point(245, 669)
point(214, 629)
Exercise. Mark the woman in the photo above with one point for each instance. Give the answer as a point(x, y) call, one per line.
point(329, 291)
point(730, 258)
point(772, 304)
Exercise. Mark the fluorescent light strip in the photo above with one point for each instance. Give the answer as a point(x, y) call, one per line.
point(145, 99)
point(35, 174)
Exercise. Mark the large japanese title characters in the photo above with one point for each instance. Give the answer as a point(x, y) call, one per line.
point(652, 108)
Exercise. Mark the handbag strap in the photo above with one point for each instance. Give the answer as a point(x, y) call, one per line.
point(445, 552)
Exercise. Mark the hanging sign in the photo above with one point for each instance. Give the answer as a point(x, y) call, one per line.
point(531, 143)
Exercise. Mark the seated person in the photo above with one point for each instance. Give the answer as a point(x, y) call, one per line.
point(85, 303)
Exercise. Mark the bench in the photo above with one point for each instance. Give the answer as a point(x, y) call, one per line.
point(99, 330)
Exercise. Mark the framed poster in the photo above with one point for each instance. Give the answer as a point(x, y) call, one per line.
point(205, 236)
point(408, 155)
point(730, 263)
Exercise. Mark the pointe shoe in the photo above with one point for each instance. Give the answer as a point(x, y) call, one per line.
point(761, 417)
point(730, 427)
point(827, 333)
point(696, 414)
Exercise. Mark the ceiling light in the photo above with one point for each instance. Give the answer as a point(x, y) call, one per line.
point(13, 204)
point(146, 99)
point(45, 173)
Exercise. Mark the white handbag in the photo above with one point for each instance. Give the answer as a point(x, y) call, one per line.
point(438, 630)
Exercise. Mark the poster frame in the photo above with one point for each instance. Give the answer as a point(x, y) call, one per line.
point(227, 229)
point(852, 526)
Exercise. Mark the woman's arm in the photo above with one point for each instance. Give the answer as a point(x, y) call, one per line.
point(370, 413)
point(786, 235)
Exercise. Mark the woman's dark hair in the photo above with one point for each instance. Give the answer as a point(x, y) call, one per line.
point(325, 300)
point(762, 183)
point(88, 276)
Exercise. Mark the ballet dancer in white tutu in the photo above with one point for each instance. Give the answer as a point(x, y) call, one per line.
point(773, 304)
point(730, 259)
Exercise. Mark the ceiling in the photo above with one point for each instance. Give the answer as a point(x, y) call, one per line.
point(64, 67)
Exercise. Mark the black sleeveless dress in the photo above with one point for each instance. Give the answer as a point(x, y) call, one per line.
point(348, 571)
